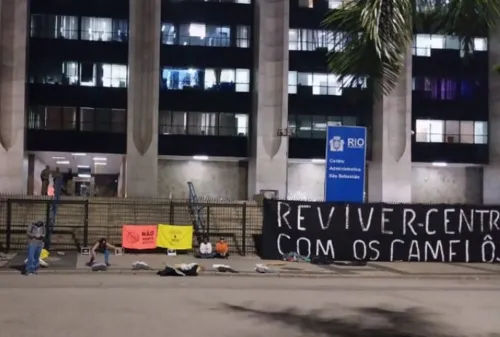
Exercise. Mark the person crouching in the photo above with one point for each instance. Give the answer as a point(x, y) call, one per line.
point(101, 246)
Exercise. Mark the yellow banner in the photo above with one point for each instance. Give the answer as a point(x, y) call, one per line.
point(174, 237)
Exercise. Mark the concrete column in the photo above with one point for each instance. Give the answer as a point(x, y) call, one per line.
point(143, 90)
point(269, 152)
point(389, 173)
point(13, 39)
point(491, 173)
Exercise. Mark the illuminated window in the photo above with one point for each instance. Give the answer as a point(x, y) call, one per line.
point(430, 131)
point(180, 78)
point(306, 3)
point(480, 132)
point(243, 36)
point(197, 34)
point(168, 34)
point(104, 29)
point(424, 43)
point(227, 79)
point(103, 75)
point(464, 132)
point(321, 83)
point(54, 26)
point(203, 123)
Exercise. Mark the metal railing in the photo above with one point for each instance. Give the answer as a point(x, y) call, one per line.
point(80, 222)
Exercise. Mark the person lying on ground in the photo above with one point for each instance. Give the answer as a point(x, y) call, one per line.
point(222, 249)
point(206, 251)
point(101, 246)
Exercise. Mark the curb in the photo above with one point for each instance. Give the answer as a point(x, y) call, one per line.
point(266, 275)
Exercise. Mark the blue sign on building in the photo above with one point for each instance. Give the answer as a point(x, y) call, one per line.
point(345, 164)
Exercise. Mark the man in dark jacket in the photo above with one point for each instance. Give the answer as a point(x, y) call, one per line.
point(44, 177)
point(36, 235)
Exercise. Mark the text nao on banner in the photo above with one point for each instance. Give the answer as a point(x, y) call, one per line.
point(139, 236)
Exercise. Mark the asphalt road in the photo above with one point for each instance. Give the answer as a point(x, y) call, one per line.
point(129, 306)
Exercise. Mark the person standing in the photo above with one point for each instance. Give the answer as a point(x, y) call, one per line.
point(58, 180)
point(44, 176)
point(36, 235)
point(68, 182)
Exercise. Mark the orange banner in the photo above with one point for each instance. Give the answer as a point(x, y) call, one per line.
point(139, 236)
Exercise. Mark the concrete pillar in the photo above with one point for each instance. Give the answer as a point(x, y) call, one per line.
point(13, 39)
point(143, 90)
point(491, 173)
point(269, 152)
point(389, 173)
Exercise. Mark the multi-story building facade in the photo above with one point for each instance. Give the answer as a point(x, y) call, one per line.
point(234, 96)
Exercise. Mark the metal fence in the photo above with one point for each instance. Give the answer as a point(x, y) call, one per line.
point(81, 222)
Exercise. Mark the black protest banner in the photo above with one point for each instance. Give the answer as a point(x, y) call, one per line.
point(382, 232)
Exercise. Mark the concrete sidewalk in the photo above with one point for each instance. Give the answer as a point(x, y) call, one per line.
point(245, 266)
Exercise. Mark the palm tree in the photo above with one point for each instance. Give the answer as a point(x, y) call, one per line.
point(379, 33)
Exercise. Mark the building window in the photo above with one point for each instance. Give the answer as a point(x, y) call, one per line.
point(306, 3)
point(104, 29)
point(242, 80)
point(181, 79)
point(227, 1)
point(70, 70)
point(197, 34)
point(430, 131)
point(227, 80)
point(334, 4)
point(168, 34)
point(480, 132)
point(114, 75)
point(203, 123)
point(446, 88)
point(54, 26)
point(55, 72)
point(233, 124)
point(464, 132)
point(321, 84)
point(52, 118)
point(315, 126)
point(467, 132)
point(424, 43)
point(243, 36)
point(84, 74)
point(172, 123)
point(211, 79)
point(314, 39)
point(103, 120)
point(103, 75)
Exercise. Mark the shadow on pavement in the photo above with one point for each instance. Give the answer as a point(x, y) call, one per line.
point(362, 322)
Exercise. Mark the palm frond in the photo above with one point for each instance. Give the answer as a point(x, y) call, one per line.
point(426, 17)
point(469, 19)
point(380, 33)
